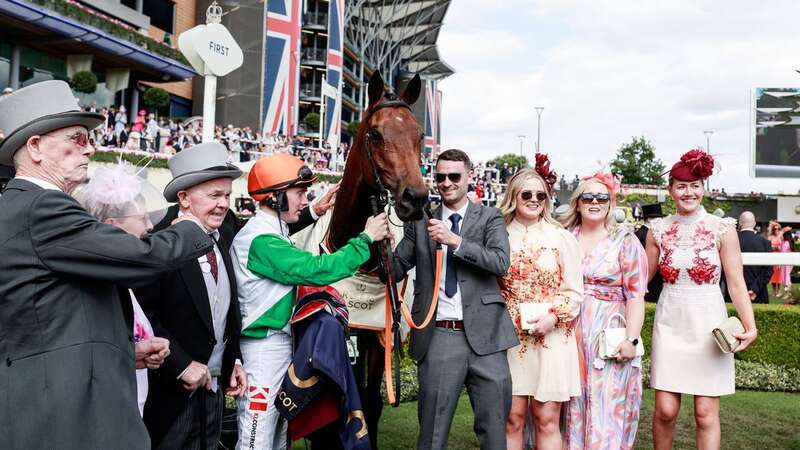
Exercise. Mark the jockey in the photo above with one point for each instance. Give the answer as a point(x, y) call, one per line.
point(268, 269)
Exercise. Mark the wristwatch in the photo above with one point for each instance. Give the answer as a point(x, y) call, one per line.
point(633, 340)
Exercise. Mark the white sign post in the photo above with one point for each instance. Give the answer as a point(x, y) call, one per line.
point(328, 91)
point(213, 52)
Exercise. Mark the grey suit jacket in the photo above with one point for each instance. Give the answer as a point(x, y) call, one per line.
point(67, 375)
point(483, 256)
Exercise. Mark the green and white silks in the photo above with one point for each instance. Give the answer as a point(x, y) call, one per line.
point(268, 268)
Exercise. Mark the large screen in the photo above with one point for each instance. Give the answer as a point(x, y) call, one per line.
point(776, 132)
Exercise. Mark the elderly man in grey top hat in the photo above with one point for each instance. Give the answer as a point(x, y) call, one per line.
point(196, 307)
point(68, 374)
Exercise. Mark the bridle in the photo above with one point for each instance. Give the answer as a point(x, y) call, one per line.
point(378, 204)
point(391, 101)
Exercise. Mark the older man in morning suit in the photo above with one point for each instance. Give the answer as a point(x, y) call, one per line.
point(466, 345)
point(68, 375)
point(755, 277)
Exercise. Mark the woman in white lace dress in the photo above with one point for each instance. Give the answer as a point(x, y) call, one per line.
point(690, 249)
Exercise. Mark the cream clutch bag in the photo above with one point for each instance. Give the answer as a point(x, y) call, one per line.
point(610, 337)
point(529, 311)
point(724, 332)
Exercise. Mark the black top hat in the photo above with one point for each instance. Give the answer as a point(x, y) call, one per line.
point(651, 211)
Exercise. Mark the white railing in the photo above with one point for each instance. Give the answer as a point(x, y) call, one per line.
point(771, 259)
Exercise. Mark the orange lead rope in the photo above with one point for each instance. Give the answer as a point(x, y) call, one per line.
point(387, 330)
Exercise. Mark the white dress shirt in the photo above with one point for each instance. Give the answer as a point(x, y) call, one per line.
point(44, 184)
point(450, 308)
point(219, 300)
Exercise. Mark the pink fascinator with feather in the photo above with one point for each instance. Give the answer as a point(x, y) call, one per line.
point(610, 181)
point(118, 185)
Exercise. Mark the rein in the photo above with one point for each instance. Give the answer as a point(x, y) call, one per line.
point(395, 307)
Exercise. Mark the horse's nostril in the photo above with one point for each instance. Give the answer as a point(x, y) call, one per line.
point(416, 199)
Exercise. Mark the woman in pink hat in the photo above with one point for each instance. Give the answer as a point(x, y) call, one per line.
point(690, 249)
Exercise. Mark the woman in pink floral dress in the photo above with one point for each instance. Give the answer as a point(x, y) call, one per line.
point(689, 249)
point(615, 274)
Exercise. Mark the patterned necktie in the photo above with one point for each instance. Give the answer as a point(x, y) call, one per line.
point(212, 261)
point(451, 277)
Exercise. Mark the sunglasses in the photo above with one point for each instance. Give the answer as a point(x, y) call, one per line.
point(454, 177)
point(80, 139)
point(527, 195)
point(588, 197)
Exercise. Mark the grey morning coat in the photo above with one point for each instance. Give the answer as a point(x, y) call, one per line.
point(67, 370)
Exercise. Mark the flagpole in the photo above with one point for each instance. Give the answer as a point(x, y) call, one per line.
point(322, 110)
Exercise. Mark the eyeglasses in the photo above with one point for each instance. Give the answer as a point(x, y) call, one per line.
point(528, 195)
point(588, 197)
point(142, 217)
point(80, 139)
point(454, 177)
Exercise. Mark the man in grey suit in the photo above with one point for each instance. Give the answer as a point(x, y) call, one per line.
point(67, 377)
point(466, 346)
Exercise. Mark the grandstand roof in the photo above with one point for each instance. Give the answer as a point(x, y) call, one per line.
point(399, 34)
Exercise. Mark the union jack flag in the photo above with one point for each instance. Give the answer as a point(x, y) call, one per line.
point(333, 106)
point(281, 66)
point(433, 107)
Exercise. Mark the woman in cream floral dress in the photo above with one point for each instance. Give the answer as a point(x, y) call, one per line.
point(690, 249)
point(545, 268)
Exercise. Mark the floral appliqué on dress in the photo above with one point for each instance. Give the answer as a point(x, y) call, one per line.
point(703, 272)
point(526, 282)
point(704, 243)
point(669, 239)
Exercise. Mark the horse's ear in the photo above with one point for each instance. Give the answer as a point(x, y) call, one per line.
point(376, 88)
point(411, 93)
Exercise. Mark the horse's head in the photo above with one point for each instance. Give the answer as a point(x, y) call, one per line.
point(393, 138)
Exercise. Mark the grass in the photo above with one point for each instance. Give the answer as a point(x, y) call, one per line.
point(750, 420)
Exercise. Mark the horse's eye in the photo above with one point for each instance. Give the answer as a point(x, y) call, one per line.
point(375, 135)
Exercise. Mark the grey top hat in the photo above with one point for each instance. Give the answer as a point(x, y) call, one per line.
point(38, 109)
point(197, 165)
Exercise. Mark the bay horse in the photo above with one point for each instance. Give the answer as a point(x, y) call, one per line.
point(385, 156)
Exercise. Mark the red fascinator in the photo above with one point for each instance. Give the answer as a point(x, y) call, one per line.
point(542, 167)
point(694, 165)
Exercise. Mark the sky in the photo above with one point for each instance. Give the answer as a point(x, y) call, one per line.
point(608, 70)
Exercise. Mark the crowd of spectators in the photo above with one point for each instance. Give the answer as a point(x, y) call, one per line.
point(166, 136)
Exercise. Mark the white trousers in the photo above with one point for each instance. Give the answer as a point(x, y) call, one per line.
point(265, 361)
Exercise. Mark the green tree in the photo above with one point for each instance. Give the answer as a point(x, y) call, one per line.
point(156, 98)
point(84, 82)
point(636, 163)
point(311, 120)
point(352, 128)
point(513, 160)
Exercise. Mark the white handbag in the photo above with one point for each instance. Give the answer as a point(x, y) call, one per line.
point(610, 337)
point(531, 311)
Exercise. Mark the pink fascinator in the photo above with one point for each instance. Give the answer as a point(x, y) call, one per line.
point(610, 181)
point(117, 185)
